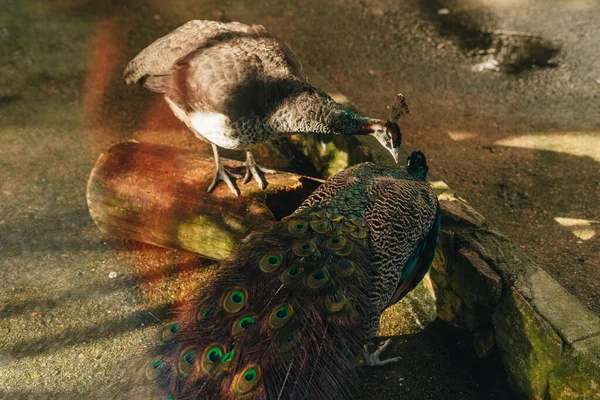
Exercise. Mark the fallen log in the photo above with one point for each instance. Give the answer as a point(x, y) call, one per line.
point(157, 194)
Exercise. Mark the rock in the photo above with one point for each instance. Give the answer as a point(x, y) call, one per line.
point(457, 212)
point(484, 342)
point(564, 312)
point(578, 374)
point(529, 347)
point(441, 266)
point(449, 306)
point(475, 281)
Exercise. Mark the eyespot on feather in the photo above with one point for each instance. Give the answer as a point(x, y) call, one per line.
point(335, 243)
point(288, 341)
point(187, 360)
point(317, 279)
point(204, 314)
point(335, 302)
point(359, 233)
point(227, 357)
point(247, 379)
point(211, 357)
point(154, 369)
point(346, 268)
point(280, 316)
point(235, 300)
point(270, 262)
point(170, 330)
point(346, 250)
point(303, 248)
point(292, 274)
point(297, 227)
point(320, 225)
point(242, 324)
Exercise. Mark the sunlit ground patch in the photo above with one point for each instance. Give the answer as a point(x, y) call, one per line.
point(574, 143)
point(582, 228)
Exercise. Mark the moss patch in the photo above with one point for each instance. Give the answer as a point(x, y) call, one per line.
point(529, 346)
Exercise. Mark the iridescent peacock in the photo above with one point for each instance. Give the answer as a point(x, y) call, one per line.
point(289, 314)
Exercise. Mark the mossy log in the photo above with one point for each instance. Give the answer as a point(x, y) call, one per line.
point(158, 195)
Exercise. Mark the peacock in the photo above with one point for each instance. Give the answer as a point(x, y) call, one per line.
point(289, 314)
point(235, 86)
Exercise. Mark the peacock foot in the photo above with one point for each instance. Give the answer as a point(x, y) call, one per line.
point(221, 174)
point(256, 172)
point(372, 359)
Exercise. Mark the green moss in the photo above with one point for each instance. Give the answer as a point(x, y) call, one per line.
point(529, 346)
point(207, 237)
point(578, 374)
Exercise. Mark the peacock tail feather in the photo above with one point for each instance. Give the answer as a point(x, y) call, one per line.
point(288, 314)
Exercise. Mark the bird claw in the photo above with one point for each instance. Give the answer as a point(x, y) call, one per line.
point(372, 359)
point(221, 174)
point(256, 172)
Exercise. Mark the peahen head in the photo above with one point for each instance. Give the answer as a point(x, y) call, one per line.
point(416, 165)
point(388, 135)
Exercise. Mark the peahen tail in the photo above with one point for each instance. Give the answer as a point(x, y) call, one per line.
point(281, 318)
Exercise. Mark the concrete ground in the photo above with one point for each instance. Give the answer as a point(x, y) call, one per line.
point(523, 149)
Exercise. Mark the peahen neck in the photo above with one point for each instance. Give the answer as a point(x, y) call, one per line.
point(348, 123)
point(313, 111)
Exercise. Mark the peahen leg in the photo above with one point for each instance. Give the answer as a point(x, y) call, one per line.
point(221, 174)
point(253, 170)
point(372, 359)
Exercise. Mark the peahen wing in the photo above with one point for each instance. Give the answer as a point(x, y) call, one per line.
point(159, 57)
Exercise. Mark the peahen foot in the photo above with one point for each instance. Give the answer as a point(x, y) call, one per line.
point(221, 174)
point(372, 359)
point(253, 170)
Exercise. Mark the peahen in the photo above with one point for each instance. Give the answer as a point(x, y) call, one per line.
point(235, 86)
point(288, 316)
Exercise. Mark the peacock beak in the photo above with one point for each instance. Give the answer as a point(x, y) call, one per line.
point(395, 153)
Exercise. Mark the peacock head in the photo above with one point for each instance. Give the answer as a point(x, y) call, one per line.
point(416, 165)
point(388, 134)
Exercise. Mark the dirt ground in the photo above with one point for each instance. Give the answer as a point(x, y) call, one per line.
point(521, 144)
point(523, 147)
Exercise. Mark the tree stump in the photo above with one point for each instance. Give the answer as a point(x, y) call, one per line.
point(158, 195)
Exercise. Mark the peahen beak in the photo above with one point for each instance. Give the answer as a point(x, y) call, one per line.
point(395, 153)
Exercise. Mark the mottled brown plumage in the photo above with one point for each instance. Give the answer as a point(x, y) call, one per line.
point(288, 315)
point(236, 86)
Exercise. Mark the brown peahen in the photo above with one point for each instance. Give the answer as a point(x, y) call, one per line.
point(236, 86)
point(288, 315)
